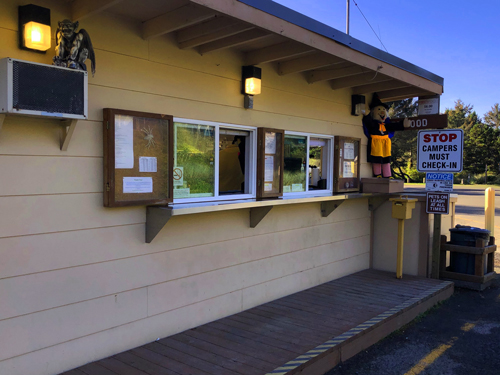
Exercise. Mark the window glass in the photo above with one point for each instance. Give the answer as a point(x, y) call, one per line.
point(308, 164)
point(213, 161)
point(318, 163)
point(294, 176)
point(194, 169)
point(233, 160)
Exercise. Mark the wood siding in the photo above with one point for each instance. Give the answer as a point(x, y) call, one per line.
point(77, 280)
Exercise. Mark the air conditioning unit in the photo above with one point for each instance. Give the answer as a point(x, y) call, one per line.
point(34, 89)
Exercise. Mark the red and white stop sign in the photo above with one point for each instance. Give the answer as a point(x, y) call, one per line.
point(440, 150)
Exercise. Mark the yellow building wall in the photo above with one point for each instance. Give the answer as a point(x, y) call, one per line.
point(77, 280)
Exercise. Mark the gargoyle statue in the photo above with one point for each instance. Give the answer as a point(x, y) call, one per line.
point(73, 47)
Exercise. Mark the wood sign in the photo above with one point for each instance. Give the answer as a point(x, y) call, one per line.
point(426, 122)
point(138, 158)
point(438, 203)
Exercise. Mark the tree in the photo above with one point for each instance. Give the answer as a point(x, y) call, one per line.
point(481, 148)
point(492, 117)
point(462, 117)
point(404, 143)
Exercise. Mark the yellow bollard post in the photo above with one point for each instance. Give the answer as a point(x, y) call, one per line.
point(401, 210)
point(489, 210)
point(401, 234)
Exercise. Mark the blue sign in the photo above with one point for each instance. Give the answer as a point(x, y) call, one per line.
point(439, 181)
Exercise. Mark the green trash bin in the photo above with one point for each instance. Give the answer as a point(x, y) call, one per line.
point(466, 236)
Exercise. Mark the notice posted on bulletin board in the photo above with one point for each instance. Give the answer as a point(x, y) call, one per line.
point(348, 169)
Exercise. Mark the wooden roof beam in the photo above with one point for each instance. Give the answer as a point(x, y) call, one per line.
point(305, 63)
point(404, 93)
point(358, 80)
point(276, 52)
point(233, 40)
point(327, 75)
point(187, 15)
point(81, 9)
point(216, 35)
point(294, 32)
point(376, 87)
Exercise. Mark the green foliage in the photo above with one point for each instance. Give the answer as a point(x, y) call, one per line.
point(298, 177)
point(481, 141)
point(404, 143)
point(195, 153)
point(416, 176)
point(492, 117)
point(481, 149)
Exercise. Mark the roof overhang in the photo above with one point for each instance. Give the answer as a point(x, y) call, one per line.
point(266, 32)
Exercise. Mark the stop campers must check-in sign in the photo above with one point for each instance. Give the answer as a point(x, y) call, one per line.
point(440, 150)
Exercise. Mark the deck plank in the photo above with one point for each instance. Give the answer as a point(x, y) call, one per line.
point(120, 367)
point(263, 338)
point(225, 353)
point(228, 363)
point(96, 369)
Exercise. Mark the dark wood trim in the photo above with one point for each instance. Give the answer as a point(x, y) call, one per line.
point(261, 158)
point(339, 182)
point(109, 170)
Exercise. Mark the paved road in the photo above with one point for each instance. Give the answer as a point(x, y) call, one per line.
point(459, 337)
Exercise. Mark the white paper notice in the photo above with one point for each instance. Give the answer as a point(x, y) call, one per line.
point(137, 184)
point(181, 193)
point(268, 186)
point(269, 169)
point(349, 151)
point(287, 189)
point(348, 169)
point(270, 143)
point(297, 187)
point(124, 142)
point(147, 164)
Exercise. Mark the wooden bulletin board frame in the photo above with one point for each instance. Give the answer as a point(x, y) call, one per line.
point(263, 154)
point(145, 143)
point(341, 182)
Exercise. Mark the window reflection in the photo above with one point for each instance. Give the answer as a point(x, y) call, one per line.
point(194, 155)
point(234, 148)
point(294, 176)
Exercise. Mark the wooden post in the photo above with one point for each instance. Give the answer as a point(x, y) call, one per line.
point(436, 246)
point(401, 235)
point(489, 210)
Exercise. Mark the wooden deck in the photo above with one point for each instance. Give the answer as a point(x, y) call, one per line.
point(308, 332)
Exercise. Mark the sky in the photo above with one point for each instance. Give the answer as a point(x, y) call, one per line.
point(458, 40)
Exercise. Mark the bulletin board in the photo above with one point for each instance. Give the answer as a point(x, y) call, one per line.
point(270, 163)
point(138, 158)
point(346, 164)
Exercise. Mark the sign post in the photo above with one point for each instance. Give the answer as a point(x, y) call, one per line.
point(440, 154)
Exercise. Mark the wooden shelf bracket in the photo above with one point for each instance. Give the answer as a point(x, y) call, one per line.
point(257, 214)
point(156, 219)
point(67, 132)
point(2, 119)
point(329, 206)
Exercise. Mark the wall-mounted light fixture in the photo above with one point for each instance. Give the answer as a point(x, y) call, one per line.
point(358, 105)
point(250, 83)
point(34, 28)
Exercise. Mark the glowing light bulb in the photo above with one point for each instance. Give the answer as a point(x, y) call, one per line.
point(37, 36)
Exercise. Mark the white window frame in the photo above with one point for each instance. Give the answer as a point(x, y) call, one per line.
point(251, 171)
point(329, 168)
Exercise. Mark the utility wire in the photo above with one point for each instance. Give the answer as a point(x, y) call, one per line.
point(369, 24)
